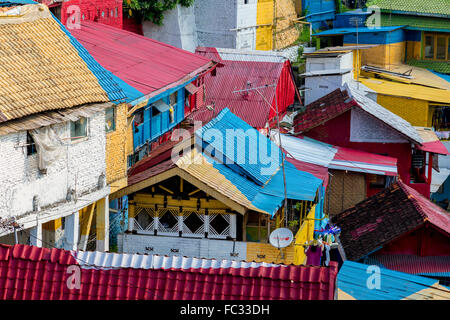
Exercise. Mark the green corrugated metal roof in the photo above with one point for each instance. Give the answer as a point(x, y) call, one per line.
point(441, 7)
point(438, 66)
point(416, 22)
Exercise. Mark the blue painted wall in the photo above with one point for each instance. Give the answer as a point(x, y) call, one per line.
point(319, 11)
point(155, 126)
point(376, 37)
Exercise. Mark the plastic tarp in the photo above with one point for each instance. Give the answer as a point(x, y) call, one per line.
point(49, 146)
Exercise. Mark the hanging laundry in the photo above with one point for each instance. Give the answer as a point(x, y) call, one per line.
point(313, 255)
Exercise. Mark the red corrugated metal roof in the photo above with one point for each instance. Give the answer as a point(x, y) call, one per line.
point(413, 264)
point(33, 273)
point(250, 107)
point(143, 63)
point(434, 147)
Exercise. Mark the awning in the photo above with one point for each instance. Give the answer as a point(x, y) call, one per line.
point(359, 161)
point(431, 142)
point(191, 88)
point(161, 106)
point(304, 149)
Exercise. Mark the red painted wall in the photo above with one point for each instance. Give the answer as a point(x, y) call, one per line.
point(337, 132)
point(424, 242)
point(104, 11)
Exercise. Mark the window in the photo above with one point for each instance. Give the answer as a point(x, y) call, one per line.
point(173, 98)
point(429, 47)
point(440, 48)
point(437, 46)
point(78, 129)
point(110, 119)
point(441, 117)
point(377, 181)
point(31, 146)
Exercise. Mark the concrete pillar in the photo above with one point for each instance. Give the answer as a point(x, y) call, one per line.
point(131, 214)
point(72, 231)
point(102, 224)
point(36, 235)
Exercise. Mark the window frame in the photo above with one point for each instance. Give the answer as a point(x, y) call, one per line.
point(31, 145)
point(435, 37)
point(79, 138)
point(114, 119)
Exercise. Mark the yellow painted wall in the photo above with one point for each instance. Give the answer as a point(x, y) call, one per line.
point(268, 253)
point(264, 16)
point(116, 147)
point(285, 33)
point(413, 50)
point(414, 111)
point(382, 55)
point(304, 235)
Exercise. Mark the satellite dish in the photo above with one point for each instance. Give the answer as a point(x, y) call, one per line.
point(281, 238)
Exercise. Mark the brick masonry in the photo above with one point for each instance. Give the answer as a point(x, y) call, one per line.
point(80, 168)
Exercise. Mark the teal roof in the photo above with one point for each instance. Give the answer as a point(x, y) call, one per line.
point(252, 162)
point(359, 281)
point(416, 22)
point(421, 7)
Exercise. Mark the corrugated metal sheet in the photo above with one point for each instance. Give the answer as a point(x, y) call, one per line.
point(438, 178)
point(232, 76)
point(200, 167)
point(42, 69)
point(145, 64)
point(305, 149)
point(249, 55)
point(340, 31)
point(397, 89)
point(412, 264)
point(32, 273)
point(353, 283)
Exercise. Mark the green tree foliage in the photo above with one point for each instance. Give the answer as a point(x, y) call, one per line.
point(152, 10)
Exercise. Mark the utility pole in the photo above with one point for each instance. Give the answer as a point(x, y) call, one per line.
point(356, 22)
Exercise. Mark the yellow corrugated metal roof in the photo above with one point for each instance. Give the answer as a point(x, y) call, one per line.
point(40, 70)
point(413, 91)
point(199, 167)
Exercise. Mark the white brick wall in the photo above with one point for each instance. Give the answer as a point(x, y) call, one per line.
point(200, 248)
point(80, 167)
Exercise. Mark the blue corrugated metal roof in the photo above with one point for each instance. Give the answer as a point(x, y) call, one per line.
point(356, 280)
point(339, 31)
point(105, 79)
point(264, 189)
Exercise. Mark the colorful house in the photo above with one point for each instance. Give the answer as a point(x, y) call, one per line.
point(164, 83)
point(269, 72)
point(78, 275)
point(366, 126)
point(426, 29)
point(398, 229)
point(384, 284)
point(216, 200)
point(58, 109)
point(348, 174)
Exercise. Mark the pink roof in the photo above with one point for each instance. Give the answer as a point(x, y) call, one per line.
point(32, 273)
point(318, 171)
point(355, 160)
point(234, 75)
point(145, 64)
point(434, 147)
